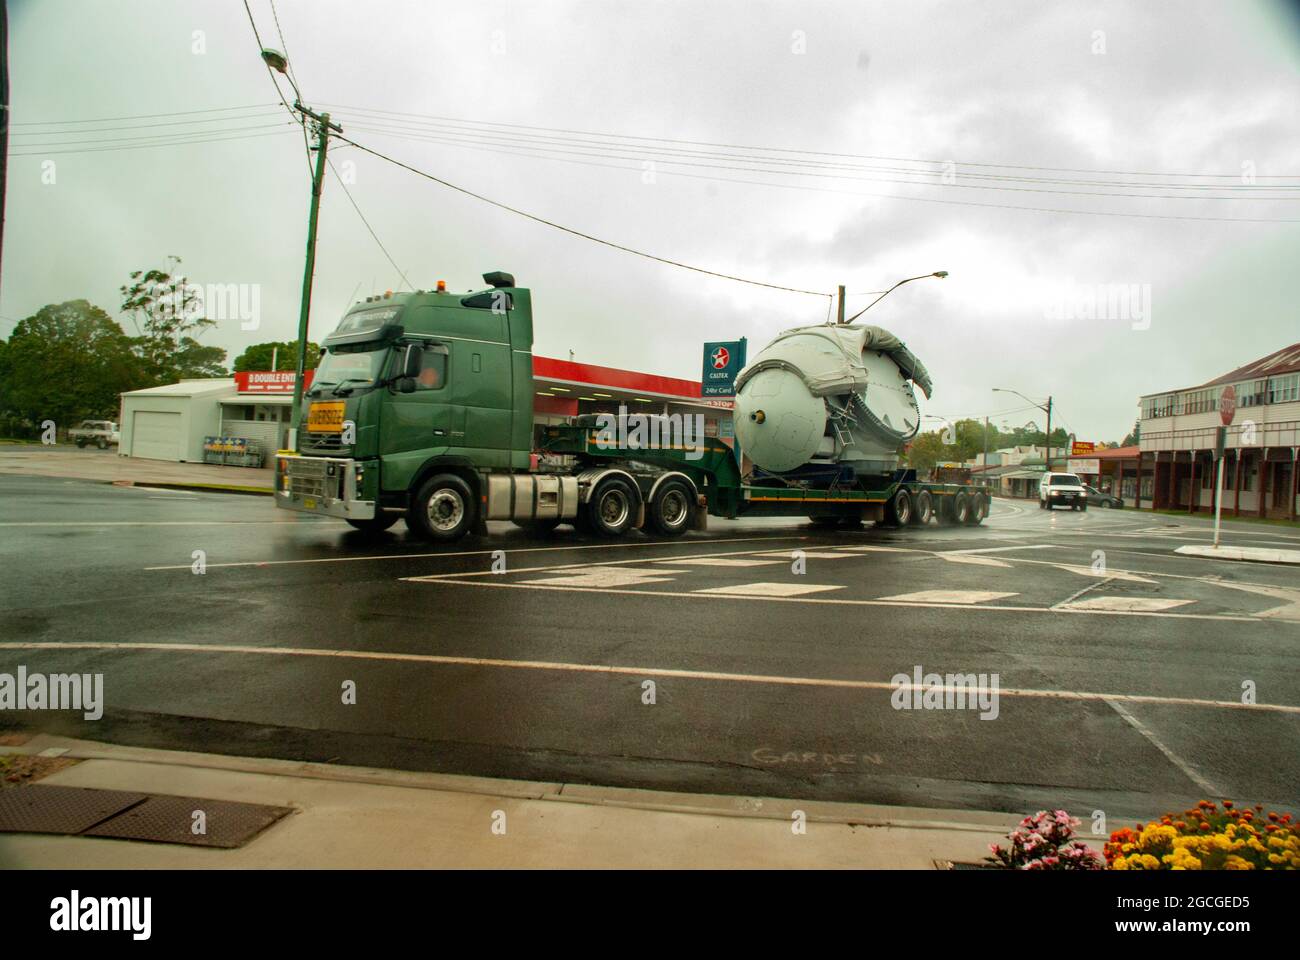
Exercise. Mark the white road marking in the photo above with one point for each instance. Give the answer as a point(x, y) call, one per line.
point(770, 589)
point(1105, 573)
point(880, 549)
point(974, 561)
point(808, 555)
point(608, 577)
point(1207, 788)
point(951, 596)
point(461, 580)
point(466, 553)
point(429, 658)
point(1124, 603)
point(1026, 546)
point(720, 562)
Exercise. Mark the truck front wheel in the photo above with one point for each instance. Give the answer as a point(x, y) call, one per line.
point(670, 508)
point(442, 510)
point(611, 508)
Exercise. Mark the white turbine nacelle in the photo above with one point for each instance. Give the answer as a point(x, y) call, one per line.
point(829, 394)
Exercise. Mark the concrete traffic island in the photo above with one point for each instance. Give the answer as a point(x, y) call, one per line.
point(357, 818)
point(1245, 554)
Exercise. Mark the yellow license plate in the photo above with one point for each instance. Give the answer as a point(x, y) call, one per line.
point(309, 503)
point(325, 417)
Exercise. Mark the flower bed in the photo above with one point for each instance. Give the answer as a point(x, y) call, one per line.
point(1209, 838)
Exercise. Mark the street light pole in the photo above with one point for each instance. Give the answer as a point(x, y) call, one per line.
point(323, 128)
point(1047, 408)
point(940, 274)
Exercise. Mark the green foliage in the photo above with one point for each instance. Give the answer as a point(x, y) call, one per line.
point(258, 356)
point(67, 362)
point(964, 440)
point(167, 310)
point(1134, 435)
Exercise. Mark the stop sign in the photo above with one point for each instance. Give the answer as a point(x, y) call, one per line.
point(1227, 405)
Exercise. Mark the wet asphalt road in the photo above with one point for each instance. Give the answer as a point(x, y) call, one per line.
point(1120, 665)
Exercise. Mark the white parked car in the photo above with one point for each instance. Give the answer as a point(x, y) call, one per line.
point(1062, 489)
point(101, 433)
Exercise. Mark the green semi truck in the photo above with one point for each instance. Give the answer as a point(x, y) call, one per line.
point(422, 409)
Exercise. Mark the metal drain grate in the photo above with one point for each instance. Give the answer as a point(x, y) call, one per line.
point(48, 809)
point(165, 819)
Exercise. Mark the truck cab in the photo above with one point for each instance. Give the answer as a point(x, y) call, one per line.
point(413, 386)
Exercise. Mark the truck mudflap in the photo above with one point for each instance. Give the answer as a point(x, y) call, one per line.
point(325, 486)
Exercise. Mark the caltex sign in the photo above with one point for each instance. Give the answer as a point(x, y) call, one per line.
point(722, 362)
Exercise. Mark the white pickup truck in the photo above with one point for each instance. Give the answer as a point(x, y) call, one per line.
point(102, 433)
point(1062, 489)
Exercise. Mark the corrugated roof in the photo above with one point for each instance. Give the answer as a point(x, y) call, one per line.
point(186, 388)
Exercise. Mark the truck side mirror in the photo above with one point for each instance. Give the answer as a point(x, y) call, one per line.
point(412, 361)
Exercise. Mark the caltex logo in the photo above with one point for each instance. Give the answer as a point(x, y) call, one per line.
point(720, 358)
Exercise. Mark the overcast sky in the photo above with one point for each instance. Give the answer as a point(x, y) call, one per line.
point(1156, 91)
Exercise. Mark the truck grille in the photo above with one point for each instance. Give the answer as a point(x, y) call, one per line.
point(324, 442)
point(310, 478)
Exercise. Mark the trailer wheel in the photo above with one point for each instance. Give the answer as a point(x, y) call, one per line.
point(979, 509)
point(376, 524)
point(899, 510)
point(961, 507)
point(611, 508)
point(670, 509)
point(442, 510)
point(922, 509)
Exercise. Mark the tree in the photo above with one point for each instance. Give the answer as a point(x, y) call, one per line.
point(925, 451)
point(258, 356)
point(1134, 435)
point(67, 362)
point(167, 310)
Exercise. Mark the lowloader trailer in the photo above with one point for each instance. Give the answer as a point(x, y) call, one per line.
point(422, 410)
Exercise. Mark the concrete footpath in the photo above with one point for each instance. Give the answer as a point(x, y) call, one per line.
point(107, 467)
point(357, 817)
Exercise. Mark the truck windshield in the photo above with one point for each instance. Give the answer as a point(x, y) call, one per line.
point(358, 366)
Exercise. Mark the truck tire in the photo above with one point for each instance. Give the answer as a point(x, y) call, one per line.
point(961, 507)
point(443, 510)
point(612, 508)
point(671, 508)
point(922, 508)
point(979, 509)
point(376, 524)
point(80, 444)
point(102, 444)
point(899, 509)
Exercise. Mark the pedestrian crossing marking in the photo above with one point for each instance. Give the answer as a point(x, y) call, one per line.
point(719, 561)
point(951, 596)
point(608, 577)
point(770, 589)
point(1141, 604)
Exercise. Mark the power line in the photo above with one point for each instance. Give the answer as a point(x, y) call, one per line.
point(143, 116)
point(276, 83)
point(895, 196)
point(157, 137)
point(352, 200)
point(144, 126)
point(573, 232)
point(604, 153)
point(544, 142)
point(146, 146)
point(824, 153)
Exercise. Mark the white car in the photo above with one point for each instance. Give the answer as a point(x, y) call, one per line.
point(1062, 489)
